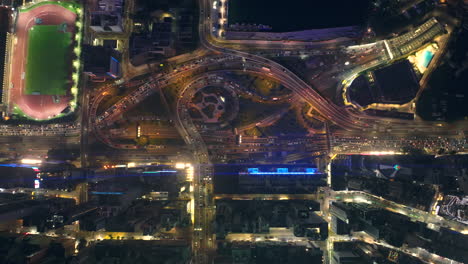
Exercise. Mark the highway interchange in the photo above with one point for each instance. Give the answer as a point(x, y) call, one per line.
point(230, 59)
point(218, 54)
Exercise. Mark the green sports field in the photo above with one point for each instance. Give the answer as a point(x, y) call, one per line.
point(48, 61)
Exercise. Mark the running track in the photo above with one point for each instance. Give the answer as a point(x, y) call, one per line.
point(37, 106)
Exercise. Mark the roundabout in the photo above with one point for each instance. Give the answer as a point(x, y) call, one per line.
point(214, 103)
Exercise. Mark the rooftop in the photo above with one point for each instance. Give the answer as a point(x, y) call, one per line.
point(396, 83)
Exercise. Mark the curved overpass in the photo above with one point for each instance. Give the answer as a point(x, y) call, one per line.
point(228, 59)
point(347, 118)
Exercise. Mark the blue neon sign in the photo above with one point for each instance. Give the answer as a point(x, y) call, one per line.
point(162, 171)
point(282, 171)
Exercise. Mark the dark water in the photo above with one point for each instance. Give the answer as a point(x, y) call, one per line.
point(293, 15)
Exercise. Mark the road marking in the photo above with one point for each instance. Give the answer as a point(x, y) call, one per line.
point(388, 49)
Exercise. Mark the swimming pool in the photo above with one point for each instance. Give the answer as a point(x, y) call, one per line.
point(427, 58)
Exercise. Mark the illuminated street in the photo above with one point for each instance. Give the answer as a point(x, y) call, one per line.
point(223, 131)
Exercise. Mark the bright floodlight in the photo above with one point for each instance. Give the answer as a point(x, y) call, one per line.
point(180, 165)
point(31, 161)
point(346, 63)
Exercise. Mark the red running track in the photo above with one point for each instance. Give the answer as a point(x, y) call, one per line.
point(37, 106)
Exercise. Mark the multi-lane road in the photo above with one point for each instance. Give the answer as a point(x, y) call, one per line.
point(202, 242)
point(226, 58)
point(344, 117)
point(216, 55)
point(35, 147)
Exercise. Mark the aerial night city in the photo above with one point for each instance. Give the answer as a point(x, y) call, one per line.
point(233, 132)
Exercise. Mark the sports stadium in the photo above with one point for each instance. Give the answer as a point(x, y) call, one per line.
point(45, 60)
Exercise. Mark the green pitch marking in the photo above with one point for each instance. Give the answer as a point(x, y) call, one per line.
point(48, 62)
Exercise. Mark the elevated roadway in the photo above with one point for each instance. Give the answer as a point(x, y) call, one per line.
point(226, 58)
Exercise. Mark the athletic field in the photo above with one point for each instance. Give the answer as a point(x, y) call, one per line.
point(48, 60)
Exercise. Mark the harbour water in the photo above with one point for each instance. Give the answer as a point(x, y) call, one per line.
point(294, 15)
